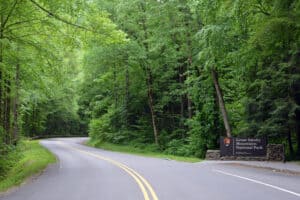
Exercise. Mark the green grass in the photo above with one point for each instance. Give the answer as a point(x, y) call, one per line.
point(33, 159)
point(138, 151)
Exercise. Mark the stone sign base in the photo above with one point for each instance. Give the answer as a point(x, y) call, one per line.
point(212, 155)
point(275, 152)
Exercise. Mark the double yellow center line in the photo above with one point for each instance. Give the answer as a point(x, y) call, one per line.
point(143, 184)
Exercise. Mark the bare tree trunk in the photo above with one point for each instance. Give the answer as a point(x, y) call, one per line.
point(182, 95)
point(290, 143)
point(126, 95)
point(190, 108)
point(15, 131)
point(1, 72)
point(33, 130)
point(189, 26)
point(115, 85)
point(221, 102)
point(1, 90)
point(298, 143)
point(298, 132)
point(149, 73)
point(151, 106)
point(1, 94)
point(7, 110)
point(189, 101)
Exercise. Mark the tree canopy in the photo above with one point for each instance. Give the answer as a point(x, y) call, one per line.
point(173, 75)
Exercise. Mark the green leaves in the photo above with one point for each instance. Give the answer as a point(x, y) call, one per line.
point(135, 69)
point(44, 39)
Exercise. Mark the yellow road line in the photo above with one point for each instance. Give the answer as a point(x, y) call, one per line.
point(140, 180)
point(154, 196)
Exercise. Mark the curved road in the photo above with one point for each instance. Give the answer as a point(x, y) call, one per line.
point(85, 173)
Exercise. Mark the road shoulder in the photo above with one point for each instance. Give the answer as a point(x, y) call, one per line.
point(34, 160)
point(287, 167)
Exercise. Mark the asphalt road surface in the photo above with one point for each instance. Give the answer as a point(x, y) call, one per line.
point(85, 173)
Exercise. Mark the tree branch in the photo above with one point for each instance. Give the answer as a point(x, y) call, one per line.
point(22, 22)
point(9, 14)
point(261, 9)
point(51, 14)
point(22, 26)
point(12, 37)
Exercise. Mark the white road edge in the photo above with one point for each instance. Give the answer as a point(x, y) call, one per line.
point(258, 182)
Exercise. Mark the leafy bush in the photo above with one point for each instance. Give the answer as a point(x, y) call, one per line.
point(177, 147)
point(96, 130)
point(9, 155)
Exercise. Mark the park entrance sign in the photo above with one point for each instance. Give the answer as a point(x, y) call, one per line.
point(243, 147)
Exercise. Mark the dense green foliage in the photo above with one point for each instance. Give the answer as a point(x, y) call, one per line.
point(147, 151)
point(160, 86)
point(40, 64)
point(169, 75)
point(26, 159)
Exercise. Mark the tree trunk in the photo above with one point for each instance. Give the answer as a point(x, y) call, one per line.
point(151, 106)
point(298, 131)
point(190, 108)
point(115, 85)
point(298, 143)
point(15, 131)
point(1, 95)
point(1, 90)
point(149, 73)
point(221, 102)
point(189, 26)
point(189, 101)
point(180, 72)
point(290, 143)
point(7, 110)
point(126, 95)
point(1, 73)
point(33, 131)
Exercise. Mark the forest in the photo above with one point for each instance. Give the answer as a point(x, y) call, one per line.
point(167, 75)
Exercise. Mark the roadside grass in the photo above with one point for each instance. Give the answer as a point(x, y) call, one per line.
point(33, 159)
point(139, 151)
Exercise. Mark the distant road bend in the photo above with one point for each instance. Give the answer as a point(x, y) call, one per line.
point(85, 173)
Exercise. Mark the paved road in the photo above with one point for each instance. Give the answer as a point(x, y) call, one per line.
point(85, 173)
